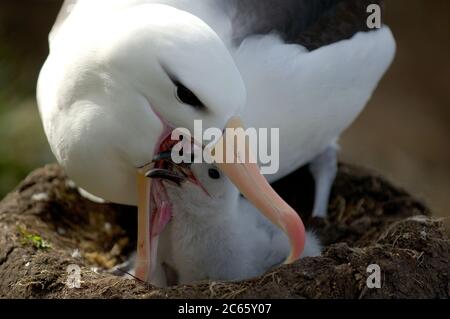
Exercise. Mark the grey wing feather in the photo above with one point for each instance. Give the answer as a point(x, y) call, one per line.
point(311, 23)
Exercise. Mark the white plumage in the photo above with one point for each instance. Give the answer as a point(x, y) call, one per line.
point(220, 236)
point(106, 99)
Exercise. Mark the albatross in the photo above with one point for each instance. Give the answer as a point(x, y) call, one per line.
point(216, 234)
point(123, 74)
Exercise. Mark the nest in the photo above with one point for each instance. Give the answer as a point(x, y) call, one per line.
point(46, 226)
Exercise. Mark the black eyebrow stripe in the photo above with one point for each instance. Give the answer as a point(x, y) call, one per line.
point(169, 74)
point(178, 83)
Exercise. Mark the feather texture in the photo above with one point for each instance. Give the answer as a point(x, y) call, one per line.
point(311, 23)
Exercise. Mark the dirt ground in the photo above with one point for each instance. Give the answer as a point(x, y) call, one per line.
point(46, 226)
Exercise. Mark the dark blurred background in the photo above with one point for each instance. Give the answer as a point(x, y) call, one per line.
point(404, 133)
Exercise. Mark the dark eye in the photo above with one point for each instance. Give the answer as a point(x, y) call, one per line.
point(213, 173)
point(186, 96)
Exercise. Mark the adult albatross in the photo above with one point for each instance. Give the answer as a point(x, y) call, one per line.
point(122, 74)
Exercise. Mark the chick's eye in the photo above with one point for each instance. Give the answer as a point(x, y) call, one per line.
point(184, 95)
point(213, 173)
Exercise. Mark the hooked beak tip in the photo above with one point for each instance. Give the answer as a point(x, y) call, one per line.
point(246, 176)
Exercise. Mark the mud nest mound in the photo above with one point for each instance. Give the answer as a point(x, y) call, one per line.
point(45, 226)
